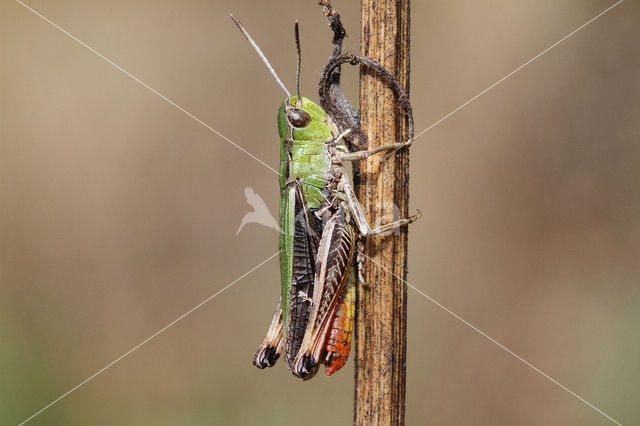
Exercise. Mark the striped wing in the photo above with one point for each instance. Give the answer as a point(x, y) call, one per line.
point(298, 245)
point(333, 262)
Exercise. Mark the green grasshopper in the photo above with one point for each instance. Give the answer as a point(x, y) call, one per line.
point(320, 215)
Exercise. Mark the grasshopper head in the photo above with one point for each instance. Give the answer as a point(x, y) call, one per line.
point(303, 119)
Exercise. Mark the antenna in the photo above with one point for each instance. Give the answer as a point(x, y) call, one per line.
point(259, 52)
point(299, 57)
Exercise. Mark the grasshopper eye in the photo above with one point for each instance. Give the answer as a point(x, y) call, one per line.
point(298, 118)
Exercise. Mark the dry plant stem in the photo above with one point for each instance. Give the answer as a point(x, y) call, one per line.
point(380, 376)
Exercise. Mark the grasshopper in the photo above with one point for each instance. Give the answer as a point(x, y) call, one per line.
point(320, 216)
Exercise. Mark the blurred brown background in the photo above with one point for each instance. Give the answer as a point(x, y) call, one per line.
point(119, 213)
